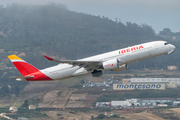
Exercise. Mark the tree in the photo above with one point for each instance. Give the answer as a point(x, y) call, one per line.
point(25, 104)
point(166, 31)
point(101, 116)
point(157, 103)
point(115, 116)
point(82, 82)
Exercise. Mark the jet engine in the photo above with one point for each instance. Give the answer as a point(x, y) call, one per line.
point(114, 66)
point(111, 64)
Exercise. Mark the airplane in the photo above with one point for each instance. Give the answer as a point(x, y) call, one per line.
point(115, 61)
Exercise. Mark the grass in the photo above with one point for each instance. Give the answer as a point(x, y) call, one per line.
point(17, 103)
point(2, 118)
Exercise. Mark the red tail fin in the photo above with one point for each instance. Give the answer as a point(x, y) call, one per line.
point(23, 67)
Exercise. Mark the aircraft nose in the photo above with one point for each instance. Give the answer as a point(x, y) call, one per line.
point(173, 47)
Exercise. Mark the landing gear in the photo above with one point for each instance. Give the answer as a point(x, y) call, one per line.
point(97, 73)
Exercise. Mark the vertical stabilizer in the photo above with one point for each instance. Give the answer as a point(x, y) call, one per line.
point(23, 67)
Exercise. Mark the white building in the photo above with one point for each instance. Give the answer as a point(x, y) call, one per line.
point(133, 100)
point(144, 104)
point(13, 109)
point(155, 80)
point(176, 102)
point(32, 107)
point(120, 103)
point(103, 104)
point(162, 105)
point(160, 100)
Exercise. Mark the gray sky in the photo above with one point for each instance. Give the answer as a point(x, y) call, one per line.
point(157, 13)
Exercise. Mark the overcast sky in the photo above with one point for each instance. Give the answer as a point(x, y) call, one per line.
point(156, 13)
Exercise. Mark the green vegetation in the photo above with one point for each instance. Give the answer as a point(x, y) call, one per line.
point(82, 110)
point(72, 112)
point(25, 104)
point(10, 85)
point(103, 109)
point(115, 116)
point(59, 114)
point(33, 101)
point(101, 116)
point(4, 110)
point(59, 93)
point(2, 118)
point(78, 85)
point(138, 111)
point(24, 111)
point(28, 113)
point(167, 32)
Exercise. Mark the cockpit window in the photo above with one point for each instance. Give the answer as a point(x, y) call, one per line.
point(166, 43)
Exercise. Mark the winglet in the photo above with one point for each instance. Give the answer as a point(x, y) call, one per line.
point(48, 57)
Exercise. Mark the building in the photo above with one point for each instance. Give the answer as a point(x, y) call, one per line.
point(120, 103)
point(138, 103)
point(144, 104)
point(103, 104)
point(13, 109)
point(32, 107)
point(162, 105)
point(160, 100)
point(173, 67)
point(126, 81)
point(171, 86)
point(175, 103)
point(155, 80)
point(133, 100)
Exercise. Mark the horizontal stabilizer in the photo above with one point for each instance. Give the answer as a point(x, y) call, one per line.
point(21, 77)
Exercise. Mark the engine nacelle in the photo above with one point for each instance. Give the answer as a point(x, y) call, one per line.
point(111, 64)
point(121, 68)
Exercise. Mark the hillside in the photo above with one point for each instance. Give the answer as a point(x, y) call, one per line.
point(54, 30)
point(33, 30)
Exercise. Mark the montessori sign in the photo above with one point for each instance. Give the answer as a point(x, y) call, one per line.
point(137, 86)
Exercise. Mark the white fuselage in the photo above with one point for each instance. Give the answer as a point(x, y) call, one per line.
point(124, 56)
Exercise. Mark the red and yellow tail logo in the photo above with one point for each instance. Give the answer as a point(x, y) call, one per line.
point(23, 67)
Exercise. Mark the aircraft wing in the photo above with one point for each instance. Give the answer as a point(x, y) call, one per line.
point(88, 65)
